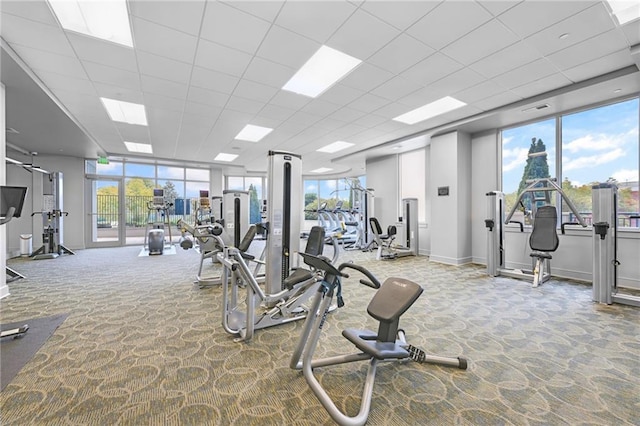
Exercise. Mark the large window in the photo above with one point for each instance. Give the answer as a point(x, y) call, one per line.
point(255, 187)
point(331, 192)
point(596, 145)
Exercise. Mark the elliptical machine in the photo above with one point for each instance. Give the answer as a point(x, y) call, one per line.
point(157, 220)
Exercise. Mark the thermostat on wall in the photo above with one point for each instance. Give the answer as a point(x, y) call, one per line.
point(443, 190)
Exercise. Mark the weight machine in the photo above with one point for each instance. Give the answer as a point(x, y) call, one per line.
point(286, 289)
point(157, 220)
point(236, 213)
point(543, 239)
point(605, 247)
point(11, 203)
point(203, 214)
point(52, 219)
point(409, 244)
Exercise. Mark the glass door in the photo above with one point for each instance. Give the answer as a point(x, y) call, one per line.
point(105, 204)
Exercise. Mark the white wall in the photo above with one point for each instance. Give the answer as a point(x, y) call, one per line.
point(484, 178)
point(382, 176)
point(450, 215)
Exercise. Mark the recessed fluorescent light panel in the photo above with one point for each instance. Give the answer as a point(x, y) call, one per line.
point(625, 10)
point(139, 147)
point(321, 170)
point(431, 110)
point(125, 112)
point(107, 20)
point(225, 157)
point(321, 71)
point(335, 147)
point(253, 133)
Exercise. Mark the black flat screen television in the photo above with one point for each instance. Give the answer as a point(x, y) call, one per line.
point(12, 196)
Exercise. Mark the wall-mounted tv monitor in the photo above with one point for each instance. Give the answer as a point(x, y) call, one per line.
point(12, 196)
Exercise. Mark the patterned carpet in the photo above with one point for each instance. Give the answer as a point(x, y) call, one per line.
point(143, 345)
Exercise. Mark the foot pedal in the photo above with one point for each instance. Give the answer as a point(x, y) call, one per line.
point(416, 354)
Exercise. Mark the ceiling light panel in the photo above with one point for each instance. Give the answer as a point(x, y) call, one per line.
point(335, 147)
point(326, 67)
point(142, 148)
point(625, 10)
point(433, 109)
point(321, 170)
point(253, 133)
point(107, 20)
point(125, 112)
point(225, 157)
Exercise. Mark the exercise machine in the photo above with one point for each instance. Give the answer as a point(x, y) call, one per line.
point(391, 300)
point(408, 240)
point(543, 239)
point(605, 247)
point(281, 297)
point(203, 214)
point(236, 213)
point(363, 211)
point(52, 219)
point(157, 221)
point(11, 203)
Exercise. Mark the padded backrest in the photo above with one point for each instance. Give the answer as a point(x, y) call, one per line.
point(315, 242)
point(248, 238)
point(391, 230)
point(393, 298)
point(544, 236)
point(375, 226)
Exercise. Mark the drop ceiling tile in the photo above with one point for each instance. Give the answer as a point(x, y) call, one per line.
point(545, 84)
point(117, 92)
point(341, 94)
point(479, 91)
point(275, 112)
point(233, 28)
point(459, 80)
point(317, 20)
point(46, 61)
point(507, 59)
point(431, 69)
point(362, 35)
point(184, 16)
point(289, 100)
point(163, 87)
point(208, 97)
point(267, 10)
point(481, 42)
point(436, 29)
point(155, 100)
point(305, 119)
point(581, 26)
point(589, 50)
point(235, 118)
point(369, 120)
point(347, 114)
point(366, 77)
point(35, 35)
point(287, 48)
point(269, 73)
point(163, 41)
point(368, 103)
point(221, 58)
point(157, 117)
point(401, 53)
point(320, 107)
point(213, 80)
point(400, 14)
point(529, 17)
point(132, 132)
point(498, 7)
point(58, 81)
point(526, 74)
point(498, 100)
point(391, 110)
point(161, 67)
point(114, 76)
point(110, 54)
point(395, 88)
point(256, 91)
point(237, 103)
point(210, 113)
point(34, 10)
point(600, 66)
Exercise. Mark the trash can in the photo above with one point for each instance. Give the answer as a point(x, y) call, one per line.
point(26, 246)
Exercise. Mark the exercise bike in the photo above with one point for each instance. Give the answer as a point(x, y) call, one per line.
point(391, 300)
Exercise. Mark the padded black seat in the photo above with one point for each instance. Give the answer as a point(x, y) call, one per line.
point(377, 229)
point(315, 247)
point(391, 300)
point(544, 238)
point(246, 242)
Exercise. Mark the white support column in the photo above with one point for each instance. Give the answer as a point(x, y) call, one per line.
point(4, 289)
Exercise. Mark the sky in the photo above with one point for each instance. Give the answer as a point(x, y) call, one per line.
point(597, 144)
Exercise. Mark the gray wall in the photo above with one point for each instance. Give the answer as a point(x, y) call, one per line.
point(484, 178)
point(382, 176)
